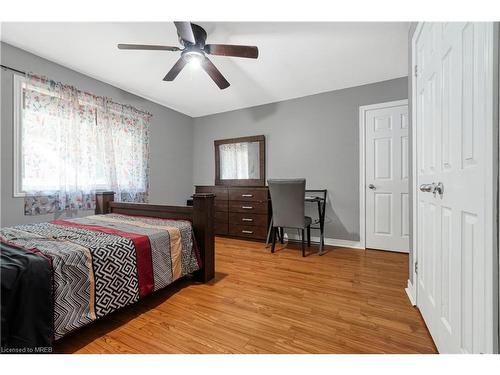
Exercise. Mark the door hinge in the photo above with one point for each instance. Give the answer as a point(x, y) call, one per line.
point(416, 70)
point(416, 267)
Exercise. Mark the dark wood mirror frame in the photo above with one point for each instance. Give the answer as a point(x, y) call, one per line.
point(262, 162)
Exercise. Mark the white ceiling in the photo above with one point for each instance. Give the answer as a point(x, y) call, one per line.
point(295, 58)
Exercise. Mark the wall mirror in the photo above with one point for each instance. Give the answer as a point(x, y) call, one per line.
point(240, 161)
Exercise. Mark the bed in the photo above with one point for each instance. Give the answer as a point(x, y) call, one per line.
point(60, 276)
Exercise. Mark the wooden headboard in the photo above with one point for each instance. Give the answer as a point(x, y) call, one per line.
point(201, 214)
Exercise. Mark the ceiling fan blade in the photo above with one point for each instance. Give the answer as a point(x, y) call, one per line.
point(181, 63)
point(215, 74)
point(148, 47)
point(185, 31)
point(250, 52)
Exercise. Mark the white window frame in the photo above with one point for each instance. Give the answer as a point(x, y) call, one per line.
point(19, 81)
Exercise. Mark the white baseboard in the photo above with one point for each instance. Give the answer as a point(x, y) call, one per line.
point(343, 243)
point(410, 292)
point(334, 242)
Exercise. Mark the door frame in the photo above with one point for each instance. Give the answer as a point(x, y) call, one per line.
point(362, 161)
point(496, 113)
point(411, 289)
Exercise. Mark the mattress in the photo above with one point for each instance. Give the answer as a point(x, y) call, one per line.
point(101, 263)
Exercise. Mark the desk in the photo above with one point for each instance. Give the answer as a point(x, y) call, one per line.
point(312, 196)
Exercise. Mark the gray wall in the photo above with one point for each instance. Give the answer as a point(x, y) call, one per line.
point(171, 148)
point(315, 137)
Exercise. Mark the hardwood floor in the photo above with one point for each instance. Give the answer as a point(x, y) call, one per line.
point(347, 301)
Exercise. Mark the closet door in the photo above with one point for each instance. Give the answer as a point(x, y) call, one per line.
point(455, 204)
point(386, 171)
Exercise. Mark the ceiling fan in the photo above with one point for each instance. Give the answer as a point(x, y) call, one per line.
point(193, 37)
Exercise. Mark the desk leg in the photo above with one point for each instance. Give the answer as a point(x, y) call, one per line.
point(269, 232)
point(321, 229)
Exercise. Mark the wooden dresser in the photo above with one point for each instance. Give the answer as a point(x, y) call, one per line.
point(240, 211)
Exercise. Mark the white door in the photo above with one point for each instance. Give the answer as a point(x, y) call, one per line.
point(453, 103)
point(386, 176)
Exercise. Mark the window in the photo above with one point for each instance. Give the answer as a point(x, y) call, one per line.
point(67, 141)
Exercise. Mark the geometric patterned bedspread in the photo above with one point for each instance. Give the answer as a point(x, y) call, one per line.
point(104, 262)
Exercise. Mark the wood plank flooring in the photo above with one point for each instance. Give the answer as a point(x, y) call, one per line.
point(347, 301)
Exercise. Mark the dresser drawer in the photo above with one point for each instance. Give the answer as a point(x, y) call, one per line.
point(239, 211)
point(248, 219)
point(221, 229)
point(220, 192)
point(221, 206)
point(248, 231)
point(221, 216)
point(247, 194)
point(248, 207)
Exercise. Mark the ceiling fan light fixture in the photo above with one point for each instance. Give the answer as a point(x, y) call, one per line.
point(193, 57)
point(193, 37)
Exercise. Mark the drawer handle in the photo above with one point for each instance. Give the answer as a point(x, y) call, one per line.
point(247, 195)
point(247, 231)
point(247, 207)
point(246, 219)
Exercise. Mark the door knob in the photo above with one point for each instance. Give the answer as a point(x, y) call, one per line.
point(427, 188)
point(439, 188)
point(433, 188)
point(371, 187)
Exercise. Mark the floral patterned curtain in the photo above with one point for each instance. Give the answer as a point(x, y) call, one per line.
point(74, 143)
